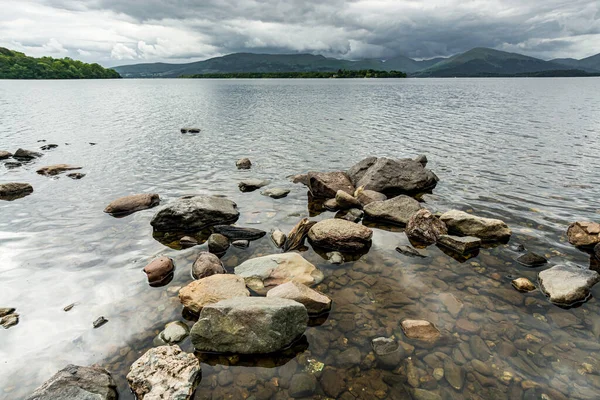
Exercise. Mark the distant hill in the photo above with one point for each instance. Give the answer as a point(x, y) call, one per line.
point(15, 65)
point(589, 64)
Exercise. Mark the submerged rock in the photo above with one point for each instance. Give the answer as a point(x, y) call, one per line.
point(194, 213)
point(455, 375)
point(190, 130)
point(210, 290)
point(420, 329)
point(597, 251)
point(251, 325)
point(250, 185)
point(188, 241)
point(173, 333)
point(335, 257)
point(238, 232)
point(26, 155)
point(567, 285)
point(424, 227)
point(326, 184)
point(99, 322)
point(410, 251)
point(365, 197)
point(278, 238)
point(487, 229)
point(276, 193)
point(397, 210)
point(584, 234)
point(164, 372)
point(132, 203)
point(345, 200)
point(302, 385)
point(78, 383)
point(12, 164)
point(388, 352)
point(341, 235)
point(352, 215)
point(207, 264)
point(48, 147)
point(263, 273)
point(242, 244)
point(53, 170)
point(461, 245)
point(243, 163)
point(217, 243)
point(159, 270)
point(76, 175)
point(315, 302)
point(531, 260)
point(523, 285)
point(5, 155)
point(14, 190)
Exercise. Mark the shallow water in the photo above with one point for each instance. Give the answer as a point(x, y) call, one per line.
point(523, 150)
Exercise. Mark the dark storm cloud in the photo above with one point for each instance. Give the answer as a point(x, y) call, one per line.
point(113, 31)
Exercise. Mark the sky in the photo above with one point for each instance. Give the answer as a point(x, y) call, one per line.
point(117, 32)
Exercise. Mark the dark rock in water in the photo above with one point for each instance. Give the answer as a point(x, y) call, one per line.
point(302, 385)
point(341, 235)
point(224, 326)
point(159, 270)
point(9, 320)
point(190, 130)
point(424, 227)
point(48, 147)
point(26, 155)
point(460, 244)
point(93, 144)
point(368, 196)
point(69, 307)
point(243, 163)
point(218, 243)
point(532, 260)
point(241, 244)
point(194, 213)
point(346, 201)
point(393, 176)
point(518, 248)
point(455, 375)
point(597, 251)
point(207, 264)
point(487, 229)
point(276, 193)
point(76, 175)
point(422, 159)
point(397, 210)
point(388, 352)
point(409, 251)
point(584, 234)
point(295, 239)
point(352, 215)
point(99, 322)
point(14, 190)
point(54, 170)
point(331, 205)
point(326, 184)
point(78, 383)
point(238, 232)
point(567, 285)
point(130, 204)
point(12, 164)
point(5, 154)
point(4, 311)
point(250, 185)
point(479, 348)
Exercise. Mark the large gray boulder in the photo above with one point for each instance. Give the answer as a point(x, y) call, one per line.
point(251, 325)
point(339, 234)
point(264, 273)
point(392, 176)
point(326, 184)
point(486, 229)
point(78, 383)
point(397, 210)
point(164, 372)
point(567, 285)
point(194, 213)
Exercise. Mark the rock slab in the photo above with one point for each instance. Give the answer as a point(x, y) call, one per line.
point(78, 383)
point(424, 227)
point(132, 203)
point(487, 229)
point(584, 234)
point(326, 184)
point(212, 289)
point(419, 329)
point(194, 213)
point(567, 285)
point(57, 169)
point(14, 190)
point(315, 302)
point(397, 210)
point(460, 244)
point(341, 235)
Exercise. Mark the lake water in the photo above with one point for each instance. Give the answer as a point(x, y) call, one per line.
point(523, 150)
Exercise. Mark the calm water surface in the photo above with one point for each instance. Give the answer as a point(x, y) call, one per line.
point(524, 150)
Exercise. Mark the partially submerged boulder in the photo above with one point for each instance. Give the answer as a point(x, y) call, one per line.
point(239, 232)
point(53, 170)
point(263, 273)
point(388, 352)
point(341, 235)
point(567, 285)
point(460, 244)
point(243, 163)
point(132, 203)
point(250, 185)
point(78, 383)
point(420, 329)
point(315, 302)
point(276, 193)
point(26, 155)
point(530, 259)
point(164, 372)
point(253, 325)
point(207, 264)
point(424, 227)
point(326, 184)
point(584, 234)
point(194, 213)
point(487, 229)
point(14, 190)
point(397, 210)
point(217, 243)
point(159, 270)
point(173, 333)
point(278, 237)
point(346, 201)
point(212, 289)
point(5, 155)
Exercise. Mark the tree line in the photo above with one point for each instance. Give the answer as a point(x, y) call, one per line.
point(342, 74)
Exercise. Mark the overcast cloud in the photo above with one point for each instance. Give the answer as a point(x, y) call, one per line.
point(114, 32)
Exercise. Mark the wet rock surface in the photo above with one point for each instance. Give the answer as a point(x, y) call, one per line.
point(584, 234)
point(130, 204)
point(276, 193)
point(217, 243)
point(420, 329)
point(159, 270)
point(424, 227)
point(460, 244)
point(14, 190)
point(78, 383)
point(567, 285)
point(243, 163)
point(194, 213)
point(342, 235)
point(207, 264)
point(523, 285)
point(532, 260)
point(238, 232)
point(57, 169)
point(26, 155)
point(5, 154)
point(326, 184)
point(250, 185)
point(315, 302)
point(397, 210)
point(465, 224)
point(174, 332)
point(210, 290)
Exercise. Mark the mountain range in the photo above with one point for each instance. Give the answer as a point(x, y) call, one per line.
point(475, 62)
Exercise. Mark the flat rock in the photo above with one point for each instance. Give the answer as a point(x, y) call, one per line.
point(420, 329)
point(276, 193)
point(212, 289)
point(217, 243)
point(523, 285)
point(26, 155)
point(479, 348)
point(315, 302)
point(531, 260)
point(241, 244)
point(397, 210)
point(452, 304)
point(388, 352)
point(368, 196)
point(460, 244)
point(5, 155)
point(264, 273)
point(243, 163)
point(188, 241)
point(487, 229)
point(164, 372)
point(410, 251)
point(194, 213)
point(567, 285)
point(49, 147)
point(207, 264)
point(190, 130)
point(584, 234)
point(12, 164)
point(78, 383)
point(455, 375)
point(53, 170)
point(252, 325)
point(341, 235)
point(392, 176)
point(250, 185)
point(302, 385)
point(424, 227)
point(239, 232)
point(345, 200)
point(326, 184)
point(278, 238)
point(159, 270)
point(14, 190)
point(132, 203)
point(4, 311)
point(174, 332)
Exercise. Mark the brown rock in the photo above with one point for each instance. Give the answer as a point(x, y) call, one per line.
point(315, 302)
point(326, 184)
point(420, 329)
point(424, 227)
point(332, 382)
point(465, 326)
point(217, 243)
point(487, 229)
point(14, 190)
point(396, 210)
point(243, 163)
point(132, 203)
point(211, 290)
point(584, 234)
point(341, 235)
point(53, 170)
point(5, 154)
point(452, 304)
point(523, 285)
point(368, 196)
point(159, 269)
point(346, 201)
point(331, 205)
point(207, 264)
